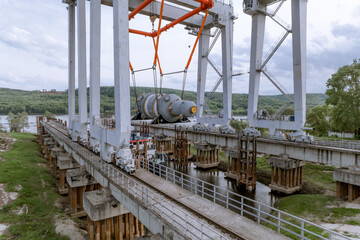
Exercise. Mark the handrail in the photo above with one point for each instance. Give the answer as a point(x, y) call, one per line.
point(254, 210)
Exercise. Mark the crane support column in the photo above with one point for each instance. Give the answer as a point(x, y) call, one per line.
point(71, 90)
point(82, 86)
point(298, 8)
point(121, 72)
point(257, 44)
point(202, 70)
point(95, 38)
point(227, 47)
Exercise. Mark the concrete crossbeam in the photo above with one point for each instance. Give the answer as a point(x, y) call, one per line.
point(66, 163)
point(79, 177)
point(331, 156)
point(100, 205)
point(347, 176)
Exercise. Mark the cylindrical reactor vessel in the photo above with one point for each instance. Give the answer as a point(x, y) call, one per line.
point(169, 106)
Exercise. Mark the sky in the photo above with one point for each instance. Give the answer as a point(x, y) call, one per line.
point(33, 47)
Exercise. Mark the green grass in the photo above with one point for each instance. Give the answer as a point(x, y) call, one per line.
point(24, 165)
point(313, 207)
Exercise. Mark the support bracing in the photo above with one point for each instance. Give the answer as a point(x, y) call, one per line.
point(257, 65)
point(202, 70)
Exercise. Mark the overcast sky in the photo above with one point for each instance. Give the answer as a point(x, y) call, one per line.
point(33, 46)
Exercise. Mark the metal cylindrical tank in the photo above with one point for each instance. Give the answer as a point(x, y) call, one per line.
point(168, 106)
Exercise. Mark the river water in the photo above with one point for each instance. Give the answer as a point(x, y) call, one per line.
point(31, 120)
point(217, 177)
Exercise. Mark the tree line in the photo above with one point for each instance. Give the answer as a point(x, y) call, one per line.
point(341, 111)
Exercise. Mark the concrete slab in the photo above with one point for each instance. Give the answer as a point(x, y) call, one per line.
point(172, 190)
point(230, 175)
point(79, 177)
point(283, 189)
point(284, 162)
point(243, 227)
point(100, 205)
point(206, 165)
point(347, 176)
point(66, 163)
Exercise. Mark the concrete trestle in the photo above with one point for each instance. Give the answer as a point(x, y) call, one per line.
point(286, 174)
point(79, 181)
point(207, 155)
point(163, 144)
point(347, 184)
point(108, 219)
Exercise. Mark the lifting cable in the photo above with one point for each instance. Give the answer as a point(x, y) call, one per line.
point(134, 84)
point(156, 45)
point(192, 53)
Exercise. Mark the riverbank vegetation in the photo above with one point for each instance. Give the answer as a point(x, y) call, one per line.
point(342, 110)
point(23, 170)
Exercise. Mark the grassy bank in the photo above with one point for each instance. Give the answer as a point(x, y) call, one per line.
point(25, 167)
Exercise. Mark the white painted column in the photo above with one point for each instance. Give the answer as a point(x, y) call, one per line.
point(299, 13)
point(121, 71)
point(82, 91)
point(202, 71)
point(95, 38)
point(227, 48)
point(256, 52)
point(71, 79)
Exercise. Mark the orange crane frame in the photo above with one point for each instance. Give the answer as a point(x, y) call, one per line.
point(205, 5)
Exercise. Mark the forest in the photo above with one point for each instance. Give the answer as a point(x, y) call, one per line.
point(36, 102)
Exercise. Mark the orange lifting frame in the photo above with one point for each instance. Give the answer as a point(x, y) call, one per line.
point(205, 5)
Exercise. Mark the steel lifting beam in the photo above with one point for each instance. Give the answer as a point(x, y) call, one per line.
point(173, 12)
point(139, 8)
point(205, 5)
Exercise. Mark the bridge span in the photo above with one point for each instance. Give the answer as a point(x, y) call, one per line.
point(339, 157)
point(178, 206)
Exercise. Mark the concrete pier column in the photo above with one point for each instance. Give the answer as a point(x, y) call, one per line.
point(79, 181)
point(65, 162)
point(202, 70)
point(108, 219)
point(71, 77)
point(95, 39)
point(227, 59)
point(257, 45)
point(82, 80)
point(121, 72)
point(298, 15)
point(347, 183)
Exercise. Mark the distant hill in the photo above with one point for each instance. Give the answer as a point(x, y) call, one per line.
point(36, 102)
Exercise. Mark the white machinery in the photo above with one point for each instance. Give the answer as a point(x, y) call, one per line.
point(167, 108)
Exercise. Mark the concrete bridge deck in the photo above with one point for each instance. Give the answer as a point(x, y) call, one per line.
point(163, 207)
point(327, 155)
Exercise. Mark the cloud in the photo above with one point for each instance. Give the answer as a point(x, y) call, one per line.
point(33, 46)
point(44, 47)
